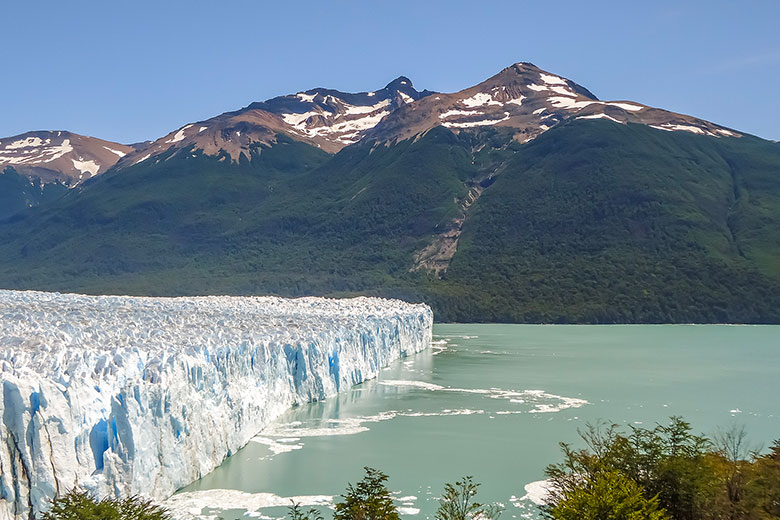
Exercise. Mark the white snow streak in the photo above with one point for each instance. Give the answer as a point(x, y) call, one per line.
point(120, 153)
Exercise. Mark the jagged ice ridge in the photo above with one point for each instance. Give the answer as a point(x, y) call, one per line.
point(125, 395)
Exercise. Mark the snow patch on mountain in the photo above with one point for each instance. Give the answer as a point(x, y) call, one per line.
point(456, 112)
point(119, 153)
point(473, 124)
point(179, 136)
point(480, 99)
point(125, 395)
point(353, 109)
point(552, 80)
point(90, 167)
point(406, 97)
point(600, 116)
point(36, 151)
point(30, 142)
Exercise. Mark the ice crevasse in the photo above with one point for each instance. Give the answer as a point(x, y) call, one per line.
point(126, 395)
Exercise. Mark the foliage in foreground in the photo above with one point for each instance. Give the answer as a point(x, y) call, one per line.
point(296, 513)
point(608, 495)
point(80, 505)
point(369, 499)
point(457, 503)
point(664, 472)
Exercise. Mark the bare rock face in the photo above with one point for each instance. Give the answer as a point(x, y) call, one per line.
point(59, 156)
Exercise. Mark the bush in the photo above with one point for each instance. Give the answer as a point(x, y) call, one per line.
point(664, 472)
point(609, 495)
point(80, 505)
point(456, 503)
point(296, 513)
point(368, 500)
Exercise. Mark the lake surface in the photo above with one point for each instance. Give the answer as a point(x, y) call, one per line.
point(494, 401)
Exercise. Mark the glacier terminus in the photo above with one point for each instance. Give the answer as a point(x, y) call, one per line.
point(135, 395)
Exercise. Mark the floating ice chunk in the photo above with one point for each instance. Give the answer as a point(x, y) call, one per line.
point(537, 492)
point(415, 384)
point(277, 446)
point(194, 502)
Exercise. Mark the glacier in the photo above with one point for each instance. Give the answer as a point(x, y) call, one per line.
point(136, 395)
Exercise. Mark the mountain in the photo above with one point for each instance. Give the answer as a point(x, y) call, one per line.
point(568, 209)
point(38, 167)
point(59, 156)
point(529, 101)
point(324, 118)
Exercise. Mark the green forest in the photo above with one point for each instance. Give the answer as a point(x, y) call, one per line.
point(591, 222)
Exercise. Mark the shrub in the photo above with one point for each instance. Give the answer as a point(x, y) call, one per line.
point(80, 505)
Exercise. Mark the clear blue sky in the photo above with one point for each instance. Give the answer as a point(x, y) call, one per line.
point(130, 71)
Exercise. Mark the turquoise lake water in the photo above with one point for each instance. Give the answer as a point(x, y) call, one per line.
point(494, 401)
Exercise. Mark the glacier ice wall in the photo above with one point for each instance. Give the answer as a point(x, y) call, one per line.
point(123, 395)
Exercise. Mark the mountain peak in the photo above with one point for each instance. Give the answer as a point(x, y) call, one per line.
point(399, 83)
point(524, 66)
point(59, 155)
point(326, 118)
point(527, 101)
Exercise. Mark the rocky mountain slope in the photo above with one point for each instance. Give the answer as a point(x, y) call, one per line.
point(59, 156)
point(327, 119)
point(38, 167)
point(524, 199)
point(529, 101)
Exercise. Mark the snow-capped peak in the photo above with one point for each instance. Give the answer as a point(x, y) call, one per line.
point(326, 118)
point(528, 101)
point(59, 156)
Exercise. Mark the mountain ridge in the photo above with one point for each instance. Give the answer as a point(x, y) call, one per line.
point(330, 119)
point(60, 155)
